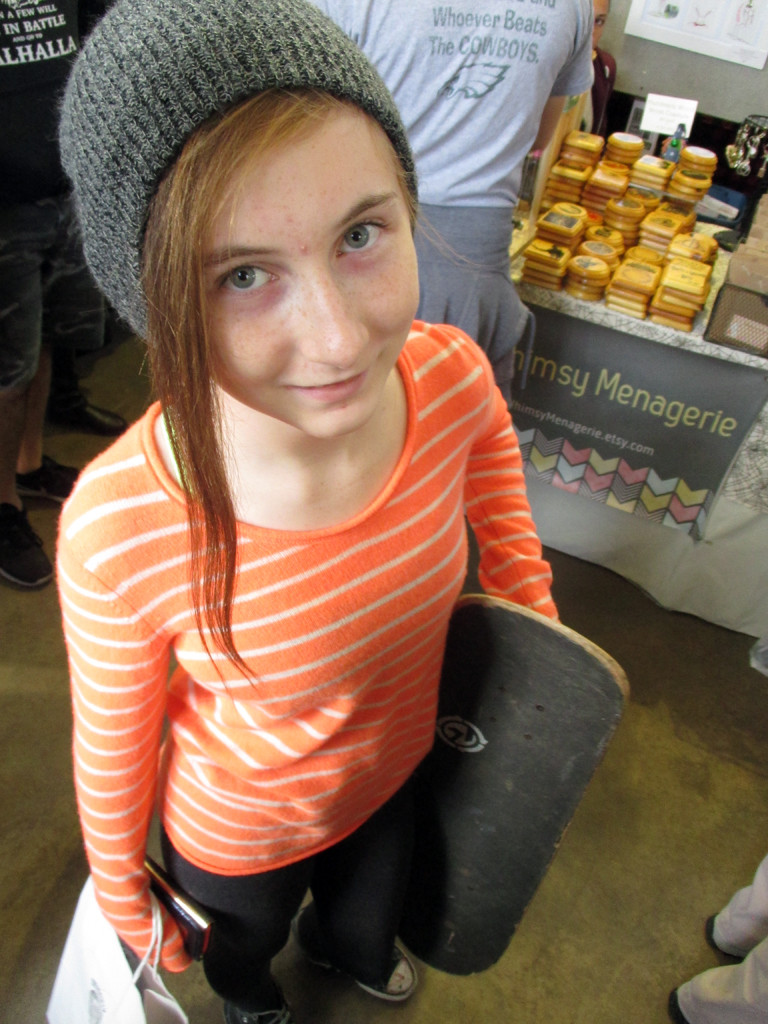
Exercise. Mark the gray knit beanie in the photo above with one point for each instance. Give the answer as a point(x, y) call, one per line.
point(152, 71)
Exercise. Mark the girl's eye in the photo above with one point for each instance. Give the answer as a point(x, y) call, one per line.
point(360, 237)
point(244, 278)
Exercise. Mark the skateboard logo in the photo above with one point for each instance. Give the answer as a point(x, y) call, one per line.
point(459, 733)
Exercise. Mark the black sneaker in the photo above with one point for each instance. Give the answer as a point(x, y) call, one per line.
point(52, 481)
point(91, 419)
point(22, 559)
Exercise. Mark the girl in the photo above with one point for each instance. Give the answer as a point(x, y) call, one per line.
point(288, 520)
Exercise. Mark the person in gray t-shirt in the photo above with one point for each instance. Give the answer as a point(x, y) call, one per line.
point(478, 85)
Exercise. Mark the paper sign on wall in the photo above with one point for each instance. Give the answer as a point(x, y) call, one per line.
point(735, 30)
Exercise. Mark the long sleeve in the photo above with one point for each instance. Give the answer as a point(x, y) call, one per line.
point(511, 563)
point(118, 671)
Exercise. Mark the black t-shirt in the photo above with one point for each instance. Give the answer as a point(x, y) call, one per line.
point(38, 41)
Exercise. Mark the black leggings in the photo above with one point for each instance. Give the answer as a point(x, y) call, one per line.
point(358, 887)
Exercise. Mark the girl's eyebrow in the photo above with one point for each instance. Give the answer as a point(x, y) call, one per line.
point(230, 252)
point(366, 204)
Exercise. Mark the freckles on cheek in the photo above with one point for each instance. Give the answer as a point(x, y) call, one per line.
point(408, 287)
point(229, 348)
point(248, 348)
point(397, 289)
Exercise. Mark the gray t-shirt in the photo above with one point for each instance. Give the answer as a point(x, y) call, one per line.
point(471, 79)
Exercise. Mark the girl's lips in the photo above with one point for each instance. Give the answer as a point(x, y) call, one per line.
point(335, 392)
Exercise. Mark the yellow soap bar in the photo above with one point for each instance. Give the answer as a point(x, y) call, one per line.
point(546, 253)
point(585, 140)
point(637, 276)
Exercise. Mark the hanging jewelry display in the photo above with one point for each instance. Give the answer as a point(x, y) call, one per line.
point(748, 153)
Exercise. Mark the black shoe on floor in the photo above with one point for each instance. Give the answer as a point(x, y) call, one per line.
point(22, 559)
point(673, 1008)
point(51, 480)
point(91, 419)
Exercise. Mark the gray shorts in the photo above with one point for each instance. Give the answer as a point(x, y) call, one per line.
point(464, 280)
point(46, 290)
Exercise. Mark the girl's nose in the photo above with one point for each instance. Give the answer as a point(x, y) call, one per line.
point(330, 323)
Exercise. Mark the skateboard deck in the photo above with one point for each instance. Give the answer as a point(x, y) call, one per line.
point(527, 707)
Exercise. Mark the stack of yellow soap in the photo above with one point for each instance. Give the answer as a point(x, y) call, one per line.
point(682, 292)
point(694, 158)
point(695, 246)
point(601, 251)
point(624, 215)
point(564, 183)
point(689, 184)
point(658, 228)
point(685, 211)
point(608, 181)
point(612, 237)
point(651, 172)
point(587, 278)
point(632, 287)
point(624, 148)
point(581, 149)
point(564, 223)
point(545, 263)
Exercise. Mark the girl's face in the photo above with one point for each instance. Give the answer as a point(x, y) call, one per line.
point(311, 279)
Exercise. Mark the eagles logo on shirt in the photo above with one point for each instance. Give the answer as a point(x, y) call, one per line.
point(474, 80)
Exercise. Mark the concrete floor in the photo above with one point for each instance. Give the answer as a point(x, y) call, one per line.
point(674, 821)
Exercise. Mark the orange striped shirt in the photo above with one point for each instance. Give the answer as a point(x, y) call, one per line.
point(343, 629)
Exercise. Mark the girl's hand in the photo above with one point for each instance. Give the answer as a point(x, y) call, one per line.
point(173, 956)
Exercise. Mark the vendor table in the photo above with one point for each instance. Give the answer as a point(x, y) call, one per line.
point(705, 551)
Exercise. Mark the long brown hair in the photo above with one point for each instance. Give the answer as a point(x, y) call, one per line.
point(181, 353)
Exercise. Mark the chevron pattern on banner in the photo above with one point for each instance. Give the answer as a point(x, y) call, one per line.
point(613, 482)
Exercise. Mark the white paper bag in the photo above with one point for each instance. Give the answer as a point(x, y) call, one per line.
point(95, 984)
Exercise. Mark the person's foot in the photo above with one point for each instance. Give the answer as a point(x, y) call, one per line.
point(722, 946)
point(22, 559)
point(673, 1009)
point(233, 1015)
point(400, 984)
point(51, 480)
point(91, 419)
